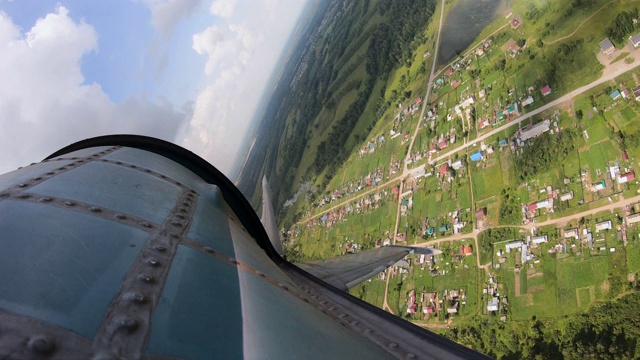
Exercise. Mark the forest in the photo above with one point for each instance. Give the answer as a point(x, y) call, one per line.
point(544, 151)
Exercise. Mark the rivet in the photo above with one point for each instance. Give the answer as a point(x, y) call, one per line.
point(22, 185)
point(186, 204)
point(120, 216)
point(133, 166)
point(80, 160)
point(209, 250)
point(162, 176)
point(178, 183)
point(49, 172)
point(283, 286)
point(4, 195)
point(179, 216)
point(145, 278)
point(69, 203)
point(23, 196)
point(153, 262)
point(315, 297)
point(182, 210)
point(333, 308)
point(104, 160)
point(411, 356)
point(368, 331)
point(118, 162)
point(134, 297)
point(342, 315)
point(37, 178)
point(193, 191)
point(233, 261)
point(355, 323)
point(393, 345)
point(32, 164)
point(159, 248)
point(260, 274)
point(145, 224)
point(323, 302)
point(174, 236)
point(62, 168)
point(73, 158)
point(190, 195)
point(126, 323)
point(41, 345)
point(45, 199)
point(305, 299)
point(147, 170)
point(71, 164)
point(176, 223)
point(95, 209)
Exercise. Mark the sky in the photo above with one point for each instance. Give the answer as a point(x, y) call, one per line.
point(187, 71)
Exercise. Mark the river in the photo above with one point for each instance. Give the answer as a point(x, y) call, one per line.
point(465, 22)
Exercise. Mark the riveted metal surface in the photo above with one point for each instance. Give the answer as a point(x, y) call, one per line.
point(27, 338)
point(27, 174)
point(126, 326)
point(156, 163)
point(124, 190)
point(94, 152)
point(210, 226)
point(73, 270)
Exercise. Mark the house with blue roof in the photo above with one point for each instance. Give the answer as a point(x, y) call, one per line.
point(476, 156)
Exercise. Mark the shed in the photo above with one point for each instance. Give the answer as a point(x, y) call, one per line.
point(606, 47)
point(635, 40)
point(546, 90)
point(477, 156)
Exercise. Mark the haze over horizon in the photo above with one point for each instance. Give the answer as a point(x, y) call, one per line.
point(191, 72)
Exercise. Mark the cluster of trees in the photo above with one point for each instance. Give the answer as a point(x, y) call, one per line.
point(490, 236)
point(510, 211)
point(608, 330)
point(568, 48)
point(545, 151)
point(622, 26)
point(391, 45)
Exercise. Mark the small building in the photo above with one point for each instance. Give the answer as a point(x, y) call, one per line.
point(466, 250)
point(615, 94)
point(449, 72)
point(515, 22)
point(606, 47)
point(527, 101)
point(477, 156)
point(455, 84)
point(604, 225)
point(539, 239)
point(509, 45)
point(598, 186)
point(632, 219)
point(635, 40)
point(453, 309)
point(571, 233)
point(636, 92)
point(533, 131)
point(493, 304)
point(481, 214)
point(566, 197)
point(626, 177)
point(514, 245)
point(546, 90)
point(444, 169)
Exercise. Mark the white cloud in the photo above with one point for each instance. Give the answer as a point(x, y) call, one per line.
point(223, 8)
point(45, 103)
point(165, 14)
point(242, 49)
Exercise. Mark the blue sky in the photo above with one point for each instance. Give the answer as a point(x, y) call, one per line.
point(188, 71)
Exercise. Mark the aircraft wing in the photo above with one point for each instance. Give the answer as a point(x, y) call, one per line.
point(345, 272)
point(268, 218)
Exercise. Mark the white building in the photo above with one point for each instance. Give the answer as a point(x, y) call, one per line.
point(532, 131)
point(605, 225)
point(539, 239)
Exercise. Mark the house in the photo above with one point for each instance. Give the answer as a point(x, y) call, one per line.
point(566, 197)
point(449, 72)
point(455, 84)
point(453, 309)
point(466, 250)
point(457, 165)
point(477, 156)
point(515, 22)
point(539, 239)
point(481, 214)
point(606, 47)
point(444, 169)
point(626, 177)
point(636, 92)
point(514, 245)
point(502, 142)
point(635, 40)
point(598, 186)
point(444, 228)
point(509, 45)
point(493, 304)
point(571, 233)
point(615, 94)
point(632, 219)
point(482, 94)
point(402, 237)
point(605, 225)
point(527, 101)
point(546, 90)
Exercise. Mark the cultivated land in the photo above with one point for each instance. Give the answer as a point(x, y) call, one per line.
point(517, 160)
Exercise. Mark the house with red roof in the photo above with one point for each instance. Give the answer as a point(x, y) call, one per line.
point(546, 90)
point(449, 72)
point(626, 177)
